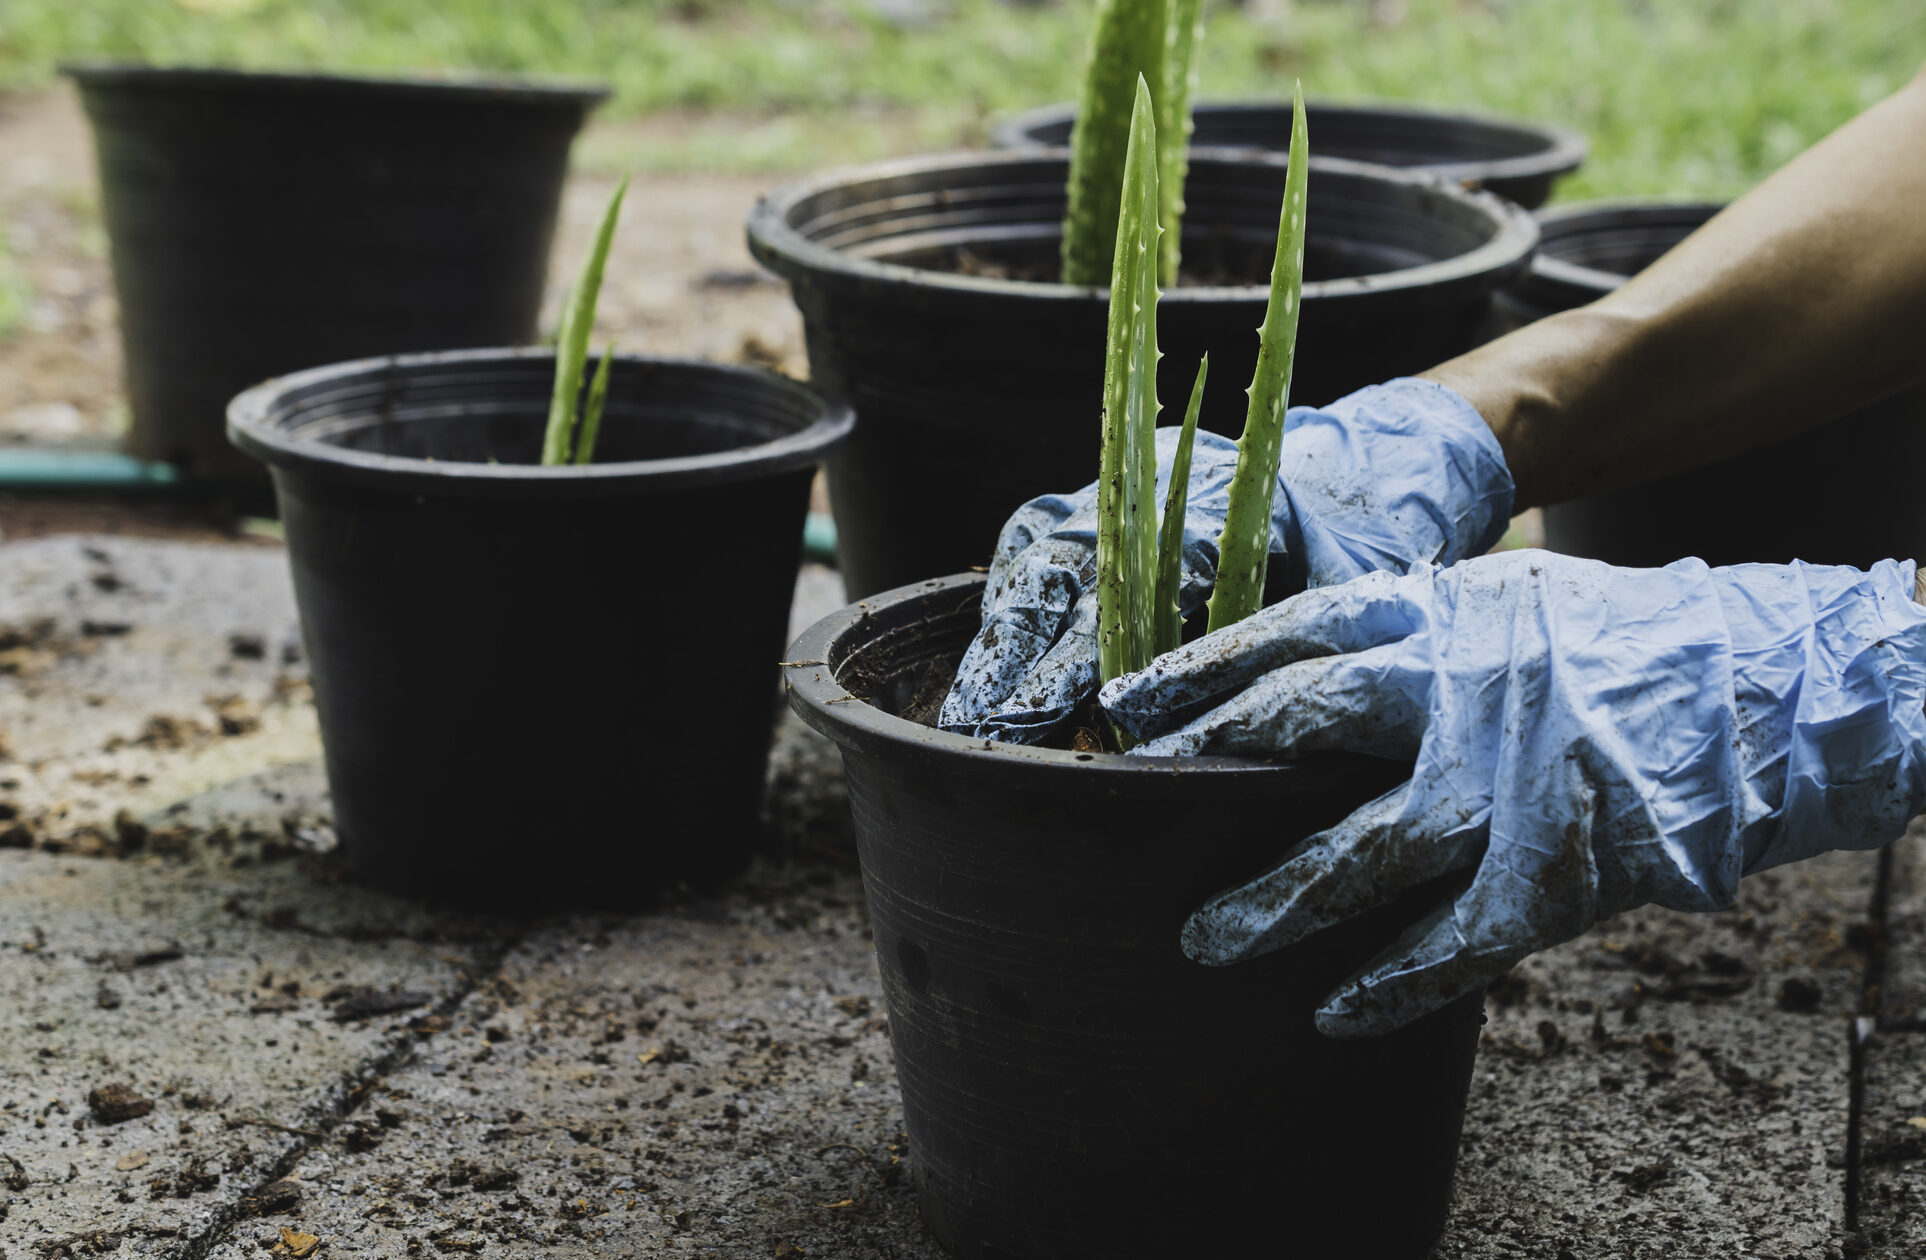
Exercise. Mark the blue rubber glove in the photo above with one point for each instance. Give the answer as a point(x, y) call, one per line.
point(1394, 475)
point(1587, 739)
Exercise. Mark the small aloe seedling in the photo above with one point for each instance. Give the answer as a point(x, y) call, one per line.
point(1139, 563)
point(1152, 40)
point(570, 437)
point(1244, 548)
point(1138, 567)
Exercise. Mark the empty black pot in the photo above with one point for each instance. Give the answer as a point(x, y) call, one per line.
point(261, 223)
point(1518, 160)
point(977, 391)
point(1840, 493)
point(540, 687)
point(1072, 1084)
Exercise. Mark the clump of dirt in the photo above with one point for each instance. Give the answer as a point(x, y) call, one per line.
point(912, 690)
point(192, 1179)
point(113, 1103)
point(1216, 261)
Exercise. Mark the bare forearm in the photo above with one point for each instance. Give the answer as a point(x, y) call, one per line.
point(1803, 300)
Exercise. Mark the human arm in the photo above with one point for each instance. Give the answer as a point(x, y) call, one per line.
point(1802, 301)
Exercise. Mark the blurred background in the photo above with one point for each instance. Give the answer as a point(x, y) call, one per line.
point(715, 100)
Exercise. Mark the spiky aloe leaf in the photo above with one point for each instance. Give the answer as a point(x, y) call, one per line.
point(1129, 44)
point(571, 345)
point(1127, 478)
point(1243, 549)
point(1174, 128)
point(598, 395)
point(1170, 538)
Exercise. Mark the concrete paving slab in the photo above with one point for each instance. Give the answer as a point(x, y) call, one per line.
point(1900, 999)
point(710, 1081)
point(135, 673)
point(1892, 1176)
point(210, 991)
point(1672, 1085)
point(1892, 1151)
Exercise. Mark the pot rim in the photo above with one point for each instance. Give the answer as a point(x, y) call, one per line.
point(252, 425)
point(478, 88)
point(855, 725)
point(1546, 265)
point(1563, 149)
point(786, 251)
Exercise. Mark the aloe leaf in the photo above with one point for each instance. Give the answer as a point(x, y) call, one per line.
point(1243, 549)
point(1127, 478)
point(571, 344)
point(598, 394)
point(1170, 538)
point(1174, 127)
point(1129, 43)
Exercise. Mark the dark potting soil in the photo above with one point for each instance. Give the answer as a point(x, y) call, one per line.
point(911, 690)
point(915, 691)
point(1213, 262)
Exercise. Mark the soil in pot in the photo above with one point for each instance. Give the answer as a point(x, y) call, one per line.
point(901, 272)
point(1816, 496)
point(541, 687)
point(1517, 160)
point(1072, 1084)
point(261, 223)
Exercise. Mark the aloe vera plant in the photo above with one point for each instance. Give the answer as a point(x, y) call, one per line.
point(1155, 41)
point(1139, 561)
point(1244, 547)
point(569, 438)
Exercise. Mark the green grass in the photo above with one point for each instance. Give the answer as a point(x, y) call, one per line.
point(1684, 98)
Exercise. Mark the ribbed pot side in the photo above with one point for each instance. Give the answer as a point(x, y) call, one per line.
point(1072, 1084)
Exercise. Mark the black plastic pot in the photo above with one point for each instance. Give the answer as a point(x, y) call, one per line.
point(1841, 493)
point(1072, 1084)
point(1515, 159)
point(540, 687)
point(976, 393)
point(261, 223)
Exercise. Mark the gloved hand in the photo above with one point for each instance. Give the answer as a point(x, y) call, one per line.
point(1391, 476)
point(1587, 738)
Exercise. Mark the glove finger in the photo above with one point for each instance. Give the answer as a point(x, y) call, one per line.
point(1360, 864)
point(1373, 610)
point(1434, 962)
point(1357, 703)
point(1029, 614)
point(1060, 682)
point(1524, 898)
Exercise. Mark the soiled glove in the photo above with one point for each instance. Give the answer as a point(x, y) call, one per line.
point(1391, 476)
point(1587, 739)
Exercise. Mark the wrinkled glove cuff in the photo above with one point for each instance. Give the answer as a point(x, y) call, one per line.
point(1855, 773)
